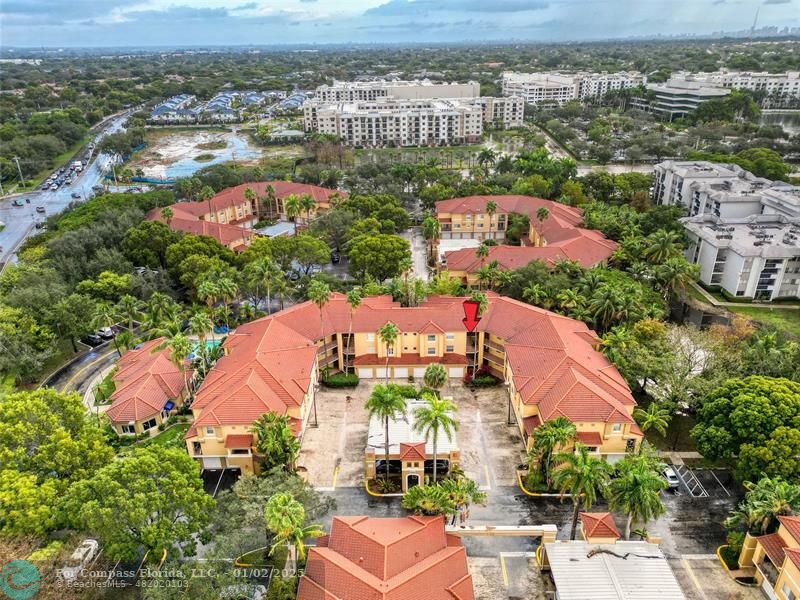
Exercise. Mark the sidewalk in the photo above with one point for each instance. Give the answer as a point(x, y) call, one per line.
point(714, 302)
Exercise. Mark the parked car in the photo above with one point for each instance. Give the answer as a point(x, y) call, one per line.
point(92, 339)
point(53, 187)
point(75, 195)
point(672, 478)
point(80, 559)
point(18, 202)
point(395, 466)
point(106, 333)
point(442, 466)
point(40, 209)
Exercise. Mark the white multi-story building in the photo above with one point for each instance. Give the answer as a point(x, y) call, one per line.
point(678, 96)
point(743, 230)
point(391, 122)
point(364, 91)
point(750, 257)
point(502, 113)
point(558, 88)
point(778, 84)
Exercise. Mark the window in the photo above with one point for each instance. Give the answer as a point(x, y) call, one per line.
point(431, 351)
point(591, 448)
point(209, 430)
point(450, 348)
point(450, 336)
point(390, 350)
point(240, 451)
point(616, 427)
point(128, 429)
point(788, 593)
point(431, 338)
point(148, 425)
point(370, 337)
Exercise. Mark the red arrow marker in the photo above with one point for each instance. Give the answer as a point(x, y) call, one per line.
point(471, 319)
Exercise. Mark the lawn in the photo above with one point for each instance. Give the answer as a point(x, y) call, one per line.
point(171, 438)
point(104, 389)
point(677, 438)
point(784, 319)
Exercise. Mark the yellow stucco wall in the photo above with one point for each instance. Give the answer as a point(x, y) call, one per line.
point(789, 578)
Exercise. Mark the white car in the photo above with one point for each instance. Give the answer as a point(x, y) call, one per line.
point(672, 478)
point(81, 557)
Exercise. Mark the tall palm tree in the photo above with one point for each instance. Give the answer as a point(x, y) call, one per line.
point(636, 492)
point(435, 377)
point(291, 206)
point(547, 438)
point(250, 196)
point(491, 210)
point(461, 492)
point(285, 517)
point(157, 307)
point(487, 156)
point(674, 275)
point(605, 306)
point(307, 204)
point(388, 334)
point(385, 402)
point(271, 200)
point(654, 417)
point(661, 245)
point(208, 291)
point(431, 231)
point(200, 324)
point(484, 276)
point(106, 315)
point(275, 441)
point(130, 308)
point(541, 215)
point(583, 476)
point(227, 290)
point(482, 252)
point(436, 417)
point(207, 193)
point(354, 298)
point(180, 347)
point(167, 214)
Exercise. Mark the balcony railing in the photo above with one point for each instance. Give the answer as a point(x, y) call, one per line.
point(769, 571)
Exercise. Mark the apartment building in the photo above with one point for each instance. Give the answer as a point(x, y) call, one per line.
point(502, 113)
point(774, 559)
point(556, 238)
point(558, 88)
point(775, 84)
point(418, 89)
point(673, 180)
point(269, 198)
point(391, 122)
point(678, 96)
point(549, 363)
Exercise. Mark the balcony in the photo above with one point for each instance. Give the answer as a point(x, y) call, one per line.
point(494, 346)
point(769, 571)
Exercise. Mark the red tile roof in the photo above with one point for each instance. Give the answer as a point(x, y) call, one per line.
point(793, 554)
point(589, 438)
point(145, 382)
point(524, 205)
point(235, 195)
point(553, 360)
point(183, 220)
point(599, 525)
point(792, 526)
point(239, 440)
point(531, 423)
point(412, 451)
point(387, 559)
point(773, 545)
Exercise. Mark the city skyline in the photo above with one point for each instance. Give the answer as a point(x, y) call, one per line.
point(216, 23)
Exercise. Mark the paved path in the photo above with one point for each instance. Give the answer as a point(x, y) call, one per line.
point(714, 302)
point(419, 253)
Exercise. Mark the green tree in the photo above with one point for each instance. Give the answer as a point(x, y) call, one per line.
point(547, 438)
point(354, 299)
point(129, 308)
point(636, 491)
point(309, 251)
point(150, 499)
point(377, 256)
point(654, 417)
point(778, 457)
point(435, 377)
point(431, 230)
point(763, 503)
point(285, 517)
point(384, 403)
point(388, 334)
point(275, 441)
point(582, 476)
point(71, 317)
point(662, 245)
point(433, 418)
point(292, 208)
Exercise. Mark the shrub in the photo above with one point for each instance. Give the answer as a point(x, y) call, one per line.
point(408, 391)
point(484, 381)
point(162, 426)
point(172, 419)
point(385, 486)
point(340, 380)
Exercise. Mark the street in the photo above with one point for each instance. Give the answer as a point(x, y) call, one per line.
point(419, 253)
point(20, 220)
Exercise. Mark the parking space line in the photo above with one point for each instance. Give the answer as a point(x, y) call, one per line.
point(335, 475)
point(503, 569)
point(694, 579)
point(488, 481)
point(714, 475)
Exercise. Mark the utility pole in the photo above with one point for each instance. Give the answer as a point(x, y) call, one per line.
point(19, 170)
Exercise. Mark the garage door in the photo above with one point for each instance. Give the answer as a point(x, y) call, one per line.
point(380, 372)
point(455, 371)
point(400, 372)
point(419, 371)
point(365, 373)
point(212, 463)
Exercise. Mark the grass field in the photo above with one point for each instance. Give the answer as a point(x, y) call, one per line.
point(172, 437)
point(785, 319)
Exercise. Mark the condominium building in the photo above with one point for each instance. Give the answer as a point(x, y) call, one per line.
point(558, 88)
point(678, 97)
point(777, 84)
point(774, 559)
point(502, 113)
point(364, 91)
point(391, 122)
point(549, 363)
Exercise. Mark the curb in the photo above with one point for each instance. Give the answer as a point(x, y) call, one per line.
point(538, 494)
point(376, 495)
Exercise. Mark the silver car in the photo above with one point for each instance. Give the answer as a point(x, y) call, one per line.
point(80, 559)
point(672, 478)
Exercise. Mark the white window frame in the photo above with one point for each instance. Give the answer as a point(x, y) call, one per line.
point(146, 426)
point(125, 428)
point(209, 430)
point(616, 428)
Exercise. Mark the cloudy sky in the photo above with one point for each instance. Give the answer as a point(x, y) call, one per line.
point(229, 22)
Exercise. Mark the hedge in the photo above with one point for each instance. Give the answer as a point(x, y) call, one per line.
point(340, 380)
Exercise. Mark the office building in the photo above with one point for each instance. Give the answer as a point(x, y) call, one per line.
point(678, 97)
point(365, 91)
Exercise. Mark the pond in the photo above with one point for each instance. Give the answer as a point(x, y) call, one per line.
point(238, 147)
point(790, 121)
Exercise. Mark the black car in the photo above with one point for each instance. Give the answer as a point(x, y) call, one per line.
point(442, 467)
point(395, 466)
point(40, 209)
point(92, 340)
point(75, 195)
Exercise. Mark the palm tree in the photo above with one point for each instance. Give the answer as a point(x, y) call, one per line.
point(605, 306)
point(487, 156)
point(354, 298)
point(227, 290)
point(636, 492)
point(271, 199)
point(431, 231)
point(106, 315)
point(654, 417)
point(484, 275)
point(536, 294)
point(583, 476)
point(385, 403)
point(549, 436)
point(200, 324)
point(250, 196)
point(763, 503)
point(482, 252)
point(388, 334)
point(541, 216)
point(614, 344)
point(461, 492)
point(129, 308)
point(207, 193)
point(435, 377)
point(307, 204)
point(208, 291)
point(291, 206)
point(275, 441)
point(180, 347)
point(433, 418)
point(674, 275)
point(285, 517)
point(661, 245)
point(167, 214)
point(569, 298)
point(491, 209)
